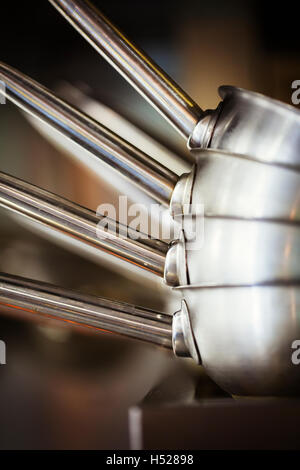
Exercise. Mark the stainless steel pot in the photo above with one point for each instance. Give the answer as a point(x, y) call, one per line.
point(229, 251)
point(44, 300)
point(226, 184)
point(235, 251)
point(246, 337)
point(245, 122)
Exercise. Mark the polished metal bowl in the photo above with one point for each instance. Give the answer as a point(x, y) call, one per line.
point(246, 337)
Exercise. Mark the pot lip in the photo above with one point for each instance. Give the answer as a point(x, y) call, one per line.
point(282, 222)
point(275, 284)
point(226, 90)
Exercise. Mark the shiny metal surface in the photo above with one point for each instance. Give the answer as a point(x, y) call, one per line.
point(176, 271)
point(45, 301)
point(142, 170)
point(244, 122)
point(108, 117)
point(244, 335)
point(76, 222)
point(183, 341)
point(237, 251)
point(258, 126)
point(226, 184)
point(143, 74)
point(233, 185)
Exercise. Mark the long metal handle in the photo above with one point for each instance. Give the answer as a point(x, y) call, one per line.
point(136, 67)
point(82, 224)
point(139, 168)
point(46, 301)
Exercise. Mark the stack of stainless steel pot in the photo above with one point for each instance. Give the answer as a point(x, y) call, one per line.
point(239, 279)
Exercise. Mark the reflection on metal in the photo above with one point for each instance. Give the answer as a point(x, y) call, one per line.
point(215, 180)
point(67, 218)
point(211, 257)
point(244, 335)
point(133, 64)
point(235, 332)
point(2, 352)
point(245, 122)
point(239, 280)
point(49, 302)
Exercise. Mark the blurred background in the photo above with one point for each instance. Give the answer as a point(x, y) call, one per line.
point(65, 389)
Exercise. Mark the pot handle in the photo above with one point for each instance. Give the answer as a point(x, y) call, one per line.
point(39, 301)
point(81, 224)
point(133, 64)
point(142, 170)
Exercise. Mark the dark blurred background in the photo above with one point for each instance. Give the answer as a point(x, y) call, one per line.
point(62, 389)
point(252, 44)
